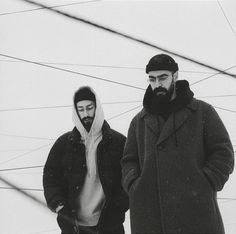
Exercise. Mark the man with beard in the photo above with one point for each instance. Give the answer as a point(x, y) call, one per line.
point(82, 175)
point(177, 156)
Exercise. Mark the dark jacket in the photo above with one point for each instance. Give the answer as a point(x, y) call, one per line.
point(172, 170)
point(65, 171)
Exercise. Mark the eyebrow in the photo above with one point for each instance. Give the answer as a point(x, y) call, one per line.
point(89, 105)
point(160, 76)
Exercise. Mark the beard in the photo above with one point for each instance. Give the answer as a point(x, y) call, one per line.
point(87, 122)
point(161, 96)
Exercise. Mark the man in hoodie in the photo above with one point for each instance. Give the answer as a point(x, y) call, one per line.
point(82, 175)
point(177, 156)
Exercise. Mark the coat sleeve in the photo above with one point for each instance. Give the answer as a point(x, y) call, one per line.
point(54, 191)
point(219, 150)
point(130, 162)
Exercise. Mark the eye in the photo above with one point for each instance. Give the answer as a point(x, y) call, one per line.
point(152, 79)
point(90, 107)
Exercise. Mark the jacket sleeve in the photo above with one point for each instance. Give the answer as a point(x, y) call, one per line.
point(54, 191)
point(130, 162)
point(219, 150)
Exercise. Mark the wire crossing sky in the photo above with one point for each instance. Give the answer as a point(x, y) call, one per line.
point(129, 37)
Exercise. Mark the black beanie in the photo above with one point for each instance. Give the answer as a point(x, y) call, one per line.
point(84, 93)
point(162, 62)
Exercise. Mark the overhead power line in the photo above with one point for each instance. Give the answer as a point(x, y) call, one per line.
point(104, 103)
point(110, 30)
point(230, 25)
point(125, 112)
point(41, 190)
point(27, 137)
point(21, 155)
point(32, 197)
point(62, 106)
point(208, 77)
point(218, 96)
point(224, 109)
point(24, 189)
point(42, 8)
point(102, 66)
point(21, 168)
point(45, 231)
point(70, 71)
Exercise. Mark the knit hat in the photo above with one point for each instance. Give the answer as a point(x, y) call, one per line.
point(162, 62)
point(84, 93)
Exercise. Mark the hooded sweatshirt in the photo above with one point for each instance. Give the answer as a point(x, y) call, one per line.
point(91, 198)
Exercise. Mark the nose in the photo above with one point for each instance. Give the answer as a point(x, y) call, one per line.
point(85, 113)
point(157, 84)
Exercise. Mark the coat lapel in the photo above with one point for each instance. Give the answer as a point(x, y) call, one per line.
point(176, 120)
point(152, 124)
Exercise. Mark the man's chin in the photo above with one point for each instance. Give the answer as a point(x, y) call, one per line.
point(160, 94)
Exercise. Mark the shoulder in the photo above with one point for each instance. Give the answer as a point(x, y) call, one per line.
point(65, 137)
point(117, 135)
point(111, 133)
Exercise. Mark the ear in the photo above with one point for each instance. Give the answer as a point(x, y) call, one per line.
point(175, 76)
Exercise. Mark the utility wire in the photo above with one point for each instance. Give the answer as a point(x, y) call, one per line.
point(208, 77)
point(224, 109)
point(32, 198)
point(110, 30)
point(63, 106)
point(70, 71)
point(42, 8)
point(102, 66)
point(40, 190)
point(104, 103)
point(230, 25)
point(24, 189)
point(218, 96)
point(21, 155)
point(21, 168)
point(27, 137)
point(45, 231)
point(124, 112)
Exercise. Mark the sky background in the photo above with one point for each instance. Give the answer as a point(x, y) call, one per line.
point(35, 101)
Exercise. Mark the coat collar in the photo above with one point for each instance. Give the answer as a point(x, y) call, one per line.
point(173, 123)
point(75, 136)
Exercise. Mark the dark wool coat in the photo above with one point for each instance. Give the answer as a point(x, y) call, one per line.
point(65, 171)
point(172, 171)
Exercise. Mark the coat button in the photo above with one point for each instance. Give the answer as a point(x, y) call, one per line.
point(77, 187)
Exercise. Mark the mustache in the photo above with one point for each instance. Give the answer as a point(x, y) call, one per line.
point(160, 89)
point(87, 118)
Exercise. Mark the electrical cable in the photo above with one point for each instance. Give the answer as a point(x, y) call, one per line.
point(110, 30)
point(27, 137)
point(33, 198)
point(63, 106)
point(21, 168)
point(102, 66)
point(24, 189)
point(224, 109)
point(208, 77)
point(42, 8)
point(70, 71)
point(41, 190)
point(21, 155)
point(124, 112)
point(230, 25)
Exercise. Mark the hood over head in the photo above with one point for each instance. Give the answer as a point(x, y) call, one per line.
point(87, 93)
